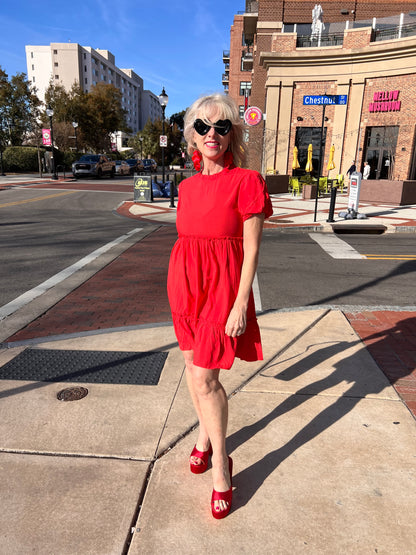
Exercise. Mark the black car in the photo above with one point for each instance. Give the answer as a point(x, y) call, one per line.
point(149, 165)
point(136, 166)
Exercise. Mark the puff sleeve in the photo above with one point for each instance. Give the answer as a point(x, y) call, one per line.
point(253, 196)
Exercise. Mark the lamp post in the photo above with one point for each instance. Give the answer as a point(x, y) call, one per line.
point(49, 113)
point(163, 99)
point(141, 147)
point(1, 147)
point(75, 125)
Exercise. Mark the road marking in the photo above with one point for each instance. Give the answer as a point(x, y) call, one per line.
point(391, 256)
point(37, 199)
point(334, 246)
point(27, 297)
point(256, 294)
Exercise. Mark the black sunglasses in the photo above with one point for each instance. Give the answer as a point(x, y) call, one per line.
point(222, 127)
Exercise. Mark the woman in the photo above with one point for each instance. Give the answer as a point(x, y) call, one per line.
point(220, 218)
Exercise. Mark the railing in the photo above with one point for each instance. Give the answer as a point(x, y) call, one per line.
point(225, 77)
point(251, 7)
point(225, 54)
point(303, 41)
point(396, 32)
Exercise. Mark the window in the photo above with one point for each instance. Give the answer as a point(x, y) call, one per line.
point(85, 56)
point(304, 137)
point(245, 85)
point(33, 79)
point(31, 54)
point(85, 68)
point(33, 67)
point(86, 81)
point(56, 76)
point(56, 64)
point(55, 52)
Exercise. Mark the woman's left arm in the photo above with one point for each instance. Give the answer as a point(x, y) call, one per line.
point(252, 232)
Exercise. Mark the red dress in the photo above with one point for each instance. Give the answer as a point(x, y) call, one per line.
point(205, 264)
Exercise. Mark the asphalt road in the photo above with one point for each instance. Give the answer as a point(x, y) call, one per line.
point(45, 231)
point(294, 271)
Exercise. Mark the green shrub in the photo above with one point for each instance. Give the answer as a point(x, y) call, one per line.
point(21, 159)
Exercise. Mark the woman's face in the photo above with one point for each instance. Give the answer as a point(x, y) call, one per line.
point(212, 146)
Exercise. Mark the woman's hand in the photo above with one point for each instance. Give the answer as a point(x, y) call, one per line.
point(237, 321)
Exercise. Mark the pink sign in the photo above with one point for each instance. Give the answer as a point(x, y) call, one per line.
point(385, 101)
point(253, 115)
point(46, 137)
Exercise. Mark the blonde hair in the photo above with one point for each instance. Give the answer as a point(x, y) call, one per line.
point(227, 110)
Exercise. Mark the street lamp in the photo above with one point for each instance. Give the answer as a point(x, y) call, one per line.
point(163, 99)
point(1, 148)
point(75, 125)
point(141, 147)
point(49, 113)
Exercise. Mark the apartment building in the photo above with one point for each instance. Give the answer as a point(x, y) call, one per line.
point(362, 52)
point(69, 63)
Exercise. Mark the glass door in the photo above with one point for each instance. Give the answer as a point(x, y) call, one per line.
point(380, 150)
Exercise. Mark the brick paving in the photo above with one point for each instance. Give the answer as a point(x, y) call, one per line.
point(130, 291)
point(390, 338)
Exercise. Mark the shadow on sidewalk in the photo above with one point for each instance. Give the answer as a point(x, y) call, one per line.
point(347, 370)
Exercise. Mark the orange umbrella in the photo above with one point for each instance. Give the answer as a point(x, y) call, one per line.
point(295, 163)
point(309, 166)
point(331, 164)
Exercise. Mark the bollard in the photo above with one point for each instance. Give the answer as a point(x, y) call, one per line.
point(172, 192)
point(332, 204)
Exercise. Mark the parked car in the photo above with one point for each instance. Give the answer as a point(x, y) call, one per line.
point(93, 165)
point(122, 168)
point(149, 165)
point(136, 165)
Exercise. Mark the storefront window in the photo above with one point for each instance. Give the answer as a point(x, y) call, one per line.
point(306, 136)
point(380, 151)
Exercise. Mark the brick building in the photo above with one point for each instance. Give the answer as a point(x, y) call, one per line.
point(358, 53)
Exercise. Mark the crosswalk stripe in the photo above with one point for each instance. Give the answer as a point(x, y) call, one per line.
point(335, 247)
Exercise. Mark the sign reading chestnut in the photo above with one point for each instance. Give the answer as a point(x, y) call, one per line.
point(385, 101)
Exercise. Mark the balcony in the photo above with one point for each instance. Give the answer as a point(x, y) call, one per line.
point(247, 61)
point(225, 79)
point(396, 32)
point(303, 41)
point(226, 56)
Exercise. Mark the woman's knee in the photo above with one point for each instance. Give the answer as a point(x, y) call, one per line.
point(205, 381)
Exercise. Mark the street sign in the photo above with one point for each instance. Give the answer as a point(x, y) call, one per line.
point(46, 137)
point(163, 140)
point(253, 115)
point(142, 188)
point(355, 187)
point(327, 99)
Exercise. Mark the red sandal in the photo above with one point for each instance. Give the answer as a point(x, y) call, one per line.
point(203, 455)
point(226, 496)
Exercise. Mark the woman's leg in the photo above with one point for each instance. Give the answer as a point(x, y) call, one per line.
point(203, 441)
point(212, 403)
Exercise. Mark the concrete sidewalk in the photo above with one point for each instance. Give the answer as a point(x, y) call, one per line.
point(322, 434)
point(323, 449)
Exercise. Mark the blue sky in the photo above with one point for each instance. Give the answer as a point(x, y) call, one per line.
point(173, 44)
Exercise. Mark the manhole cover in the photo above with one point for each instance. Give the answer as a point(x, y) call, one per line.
point(72, 393)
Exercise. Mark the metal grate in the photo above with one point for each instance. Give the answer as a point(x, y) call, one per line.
point(112, 367)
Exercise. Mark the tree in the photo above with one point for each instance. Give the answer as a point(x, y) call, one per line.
point(177, 119)
point(98, 113)
point(151, 141)
point(19, 109)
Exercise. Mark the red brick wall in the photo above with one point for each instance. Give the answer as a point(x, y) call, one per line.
point(357, 38)
point(300, 11)
point(405, 118)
